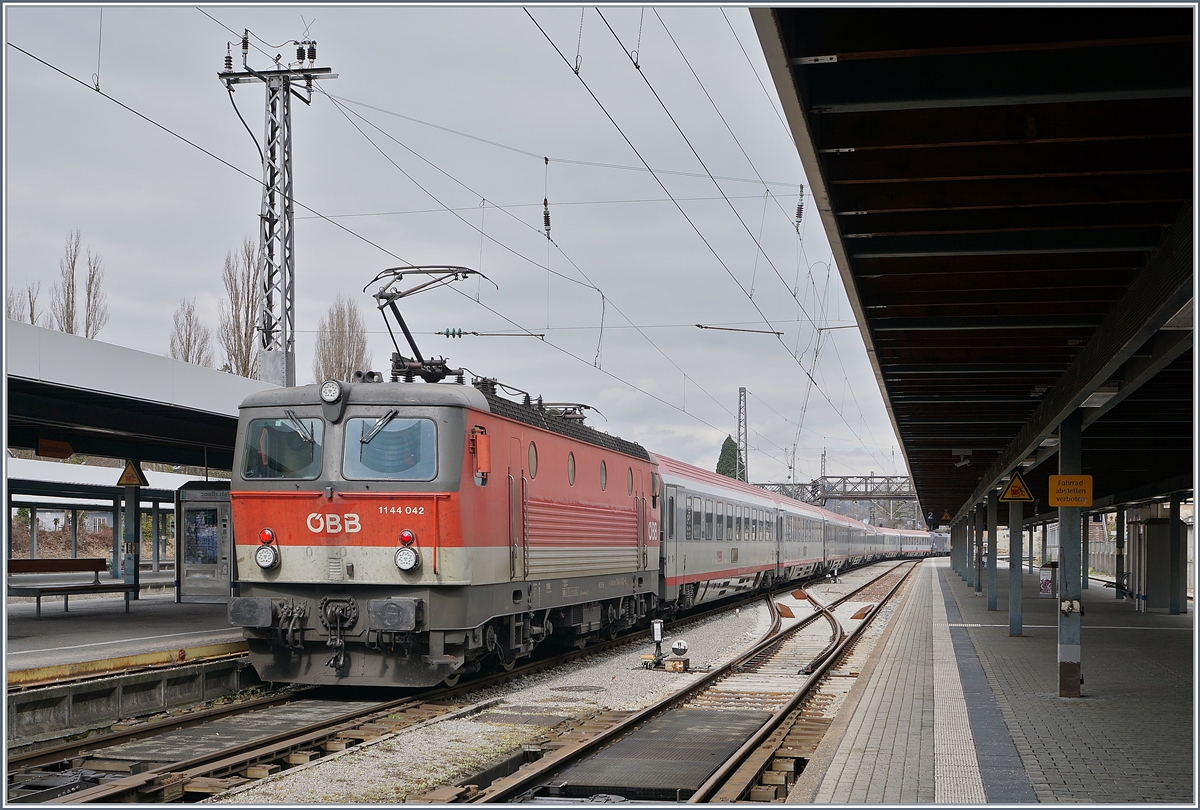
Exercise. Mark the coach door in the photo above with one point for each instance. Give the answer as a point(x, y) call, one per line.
point(669, 532)
point(518, 510)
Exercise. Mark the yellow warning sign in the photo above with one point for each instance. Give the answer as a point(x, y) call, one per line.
point(132, 476)
point(946, 516)
point(1017, 490)
point(1070, 490)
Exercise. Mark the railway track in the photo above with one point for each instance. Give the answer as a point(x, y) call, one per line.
point(205, 752)
point(758, 712)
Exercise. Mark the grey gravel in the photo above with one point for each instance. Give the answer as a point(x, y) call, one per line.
point(441, 752)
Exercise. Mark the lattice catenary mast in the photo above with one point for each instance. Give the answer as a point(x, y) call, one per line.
point(276, 326)
point(743, 443)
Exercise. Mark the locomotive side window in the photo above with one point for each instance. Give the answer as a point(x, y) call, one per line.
point(629, 481)
point(603, 476)
point(532, 460)
point(390, 448)
point(671, 517)
point(571, 469)
point(283, 448)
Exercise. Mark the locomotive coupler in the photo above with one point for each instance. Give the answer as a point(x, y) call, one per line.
point(338, 614)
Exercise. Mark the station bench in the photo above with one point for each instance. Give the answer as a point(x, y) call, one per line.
point(65, 590)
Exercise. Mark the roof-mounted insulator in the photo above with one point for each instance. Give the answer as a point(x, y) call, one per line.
point(312, 51)
point(546, 215)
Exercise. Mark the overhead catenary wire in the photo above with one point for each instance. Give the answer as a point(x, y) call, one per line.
point(603, 299)
point(210, 154)
point(698, 232)
point(198, 147)
point(229, 165)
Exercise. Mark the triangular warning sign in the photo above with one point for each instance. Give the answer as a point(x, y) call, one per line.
point(1016, 490)
point(132, 476)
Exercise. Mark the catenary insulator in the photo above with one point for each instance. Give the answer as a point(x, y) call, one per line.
point(312, 51)
point(300, 52)
point(245, 43)
point(546, 215)
point(228, 57)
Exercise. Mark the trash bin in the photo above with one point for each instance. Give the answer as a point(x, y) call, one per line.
point(1048, 580)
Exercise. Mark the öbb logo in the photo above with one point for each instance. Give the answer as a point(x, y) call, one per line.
point(334, 523)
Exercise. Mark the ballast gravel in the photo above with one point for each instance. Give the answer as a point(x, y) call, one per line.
point(409, 763)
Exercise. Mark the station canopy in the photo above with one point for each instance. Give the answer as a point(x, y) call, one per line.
point(1009, 197)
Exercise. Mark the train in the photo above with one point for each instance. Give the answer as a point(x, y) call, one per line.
point(405, 533)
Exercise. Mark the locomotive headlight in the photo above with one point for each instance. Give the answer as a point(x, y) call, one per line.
point(407, 558)
point(266, 556)
point(331, 391)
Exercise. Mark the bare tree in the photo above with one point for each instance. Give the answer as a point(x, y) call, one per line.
point(62, 294)
point(239, 311)
point(27, 304)
point(341, 342)
point(95, 311)
point(14, 305)
point(191, 339)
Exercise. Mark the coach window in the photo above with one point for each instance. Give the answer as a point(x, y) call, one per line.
point(753, 524)
point(729, 521)
point(532, 460)
point(603, 476)
point(571, 469)
point(720, 520)
point(629, 481)
point(687, 518)
point(697, 518)
point(737, 523)
point(708, 514)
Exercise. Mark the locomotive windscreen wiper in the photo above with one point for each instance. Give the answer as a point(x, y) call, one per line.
point(378, 426)
point(300, 427)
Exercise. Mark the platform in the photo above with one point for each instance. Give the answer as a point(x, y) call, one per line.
point(98, 629)
point(950, 709)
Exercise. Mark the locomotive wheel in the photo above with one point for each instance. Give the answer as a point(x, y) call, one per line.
point(452, 680)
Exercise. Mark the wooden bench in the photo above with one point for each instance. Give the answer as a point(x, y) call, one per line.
point(65, 590)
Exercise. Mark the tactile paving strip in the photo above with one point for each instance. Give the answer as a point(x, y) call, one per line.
point(956, 776)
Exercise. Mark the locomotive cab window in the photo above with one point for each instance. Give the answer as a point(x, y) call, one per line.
point(387, 447)
point(288, 447)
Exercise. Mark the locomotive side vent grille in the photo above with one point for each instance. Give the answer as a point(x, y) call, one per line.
point(335, 569)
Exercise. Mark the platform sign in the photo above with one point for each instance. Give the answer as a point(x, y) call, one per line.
point(132, 476)
point(1070, 490)
point(1017, 490)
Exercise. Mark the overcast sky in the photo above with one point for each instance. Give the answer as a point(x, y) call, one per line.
point(164, 214)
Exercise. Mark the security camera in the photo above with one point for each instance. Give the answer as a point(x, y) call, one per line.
point(963, 462)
